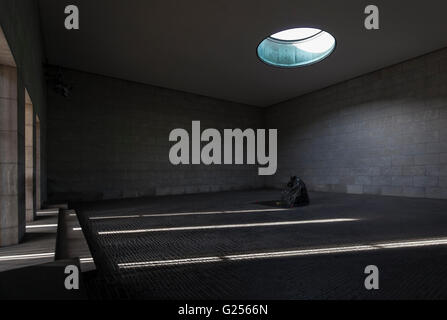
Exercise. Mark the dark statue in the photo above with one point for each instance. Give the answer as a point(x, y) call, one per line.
point(295, 194)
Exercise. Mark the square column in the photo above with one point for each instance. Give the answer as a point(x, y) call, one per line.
point(29, 159)
point(12, 166)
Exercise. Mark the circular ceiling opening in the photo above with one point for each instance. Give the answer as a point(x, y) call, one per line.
point(296, 47)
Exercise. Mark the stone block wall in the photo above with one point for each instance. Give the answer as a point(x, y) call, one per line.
point(383, 133)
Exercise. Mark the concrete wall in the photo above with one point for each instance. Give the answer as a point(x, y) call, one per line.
point(20, 24)
point(383, 133)
point(110, 139)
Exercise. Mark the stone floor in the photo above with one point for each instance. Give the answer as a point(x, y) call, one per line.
point(123, 233)
point(38, 245)
point(35, 268)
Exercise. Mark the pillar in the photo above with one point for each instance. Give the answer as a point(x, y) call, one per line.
point(12, 166)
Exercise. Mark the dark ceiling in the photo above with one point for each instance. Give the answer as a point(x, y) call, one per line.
point(208, 47)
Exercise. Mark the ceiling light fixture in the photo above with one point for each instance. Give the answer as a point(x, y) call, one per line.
point(296, 47)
